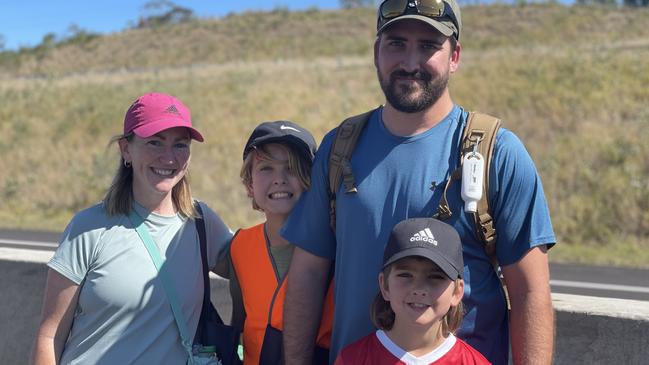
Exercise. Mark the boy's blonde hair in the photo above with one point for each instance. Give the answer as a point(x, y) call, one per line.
point(383, 316)
point(297, 163)
point(119, 198)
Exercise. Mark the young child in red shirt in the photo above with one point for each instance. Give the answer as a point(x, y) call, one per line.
point(419, 306)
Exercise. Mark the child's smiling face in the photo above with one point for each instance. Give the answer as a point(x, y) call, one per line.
point(275, 187)
point(419, 293)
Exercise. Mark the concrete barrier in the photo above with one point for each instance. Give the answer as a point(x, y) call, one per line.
point(589, 330)
point(22, 286)
point(594, 330)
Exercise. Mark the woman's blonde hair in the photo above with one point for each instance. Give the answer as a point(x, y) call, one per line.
point(383, 316)
point(119, 198)
point(297, 163)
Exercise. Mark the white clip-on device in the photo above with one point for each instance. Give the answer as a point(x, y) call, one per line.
point(472, 176)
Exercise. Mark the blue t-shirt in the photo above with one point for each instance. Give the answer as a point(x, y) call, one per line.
point(403, 177)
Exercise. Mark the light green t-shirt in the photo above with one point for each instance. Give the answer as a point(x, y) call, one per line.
point(123, 315)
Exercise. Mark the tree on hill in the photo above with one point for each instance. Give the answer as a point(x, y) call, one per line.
point(163, 12)
point(77, 35)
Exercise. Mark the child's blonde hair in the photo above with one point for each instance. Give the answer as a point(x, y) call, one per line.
point(297, 163)
point(383, 316)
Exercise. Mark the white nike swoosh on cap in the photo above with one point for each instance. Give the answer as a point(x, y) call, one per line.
point(287, 127)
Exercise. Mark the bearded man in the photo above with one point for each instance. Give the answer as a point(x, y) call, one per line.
point(401, 161)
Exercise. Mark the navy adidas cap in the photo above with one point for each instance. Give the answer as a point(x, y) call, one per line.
point(428, 238)
point(282, 131)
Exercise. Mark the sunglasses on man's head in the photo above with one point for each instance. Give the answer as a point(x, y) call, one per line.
point(434, 9)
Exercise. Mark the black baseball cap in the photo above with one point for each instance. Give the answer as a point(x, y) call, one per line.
point(282, 131)
point(428, 238)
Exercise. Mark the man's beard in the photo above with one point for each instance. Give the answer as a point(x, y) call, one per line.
point(402, 97)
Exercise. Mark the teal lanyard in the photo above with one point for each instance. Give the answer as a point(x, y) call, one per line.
point(158, 262)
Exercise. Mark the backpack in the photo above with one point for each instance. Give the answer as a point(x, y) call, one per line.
point(479, 135)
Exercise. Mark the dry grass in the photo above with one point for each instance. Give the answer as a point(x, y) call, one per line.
point(570, 81)
point(56, 130)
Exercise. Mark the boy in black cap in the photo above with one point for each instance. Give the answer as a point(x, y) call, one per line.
point(276, 169)
point(419, 306)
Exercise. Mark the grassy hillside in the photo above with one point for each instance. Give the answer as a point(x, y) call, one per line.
point(570, 81)
point(249, 37)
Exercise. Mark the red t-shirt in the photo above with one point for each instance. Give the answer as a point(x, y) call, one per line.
point(378, 349)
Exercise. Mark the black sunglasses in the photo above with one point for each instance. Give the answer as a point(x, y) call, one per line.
point(434, 9)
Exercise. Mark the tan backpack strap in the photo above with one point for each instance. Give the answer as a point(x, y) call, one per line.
point(481, 129)
point(340, 166)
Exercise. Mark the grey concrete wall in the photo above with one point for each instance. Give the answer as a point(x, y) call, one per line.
point(589, 330)
point(601, 330)
point(21, 285)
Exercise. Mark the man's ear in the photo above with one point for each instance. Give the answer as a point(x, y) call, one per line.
point(455, 58)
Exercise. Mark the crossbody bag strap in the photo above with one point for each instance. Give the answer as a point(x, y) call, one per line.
point(202, 238)
point(158, 262)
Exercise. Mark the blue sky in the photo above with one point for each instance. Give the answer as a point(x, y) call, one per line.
point(23, 23)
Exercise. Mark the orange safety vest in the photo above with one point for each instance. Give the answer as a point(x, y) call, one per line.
point(262, 291)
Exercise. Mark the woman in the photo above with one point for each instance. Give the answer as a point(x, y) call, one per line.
point(103, 301)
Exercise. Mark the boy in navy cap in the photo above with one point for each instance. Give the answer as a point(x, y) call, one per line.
point(419, 306)
point(276, 170)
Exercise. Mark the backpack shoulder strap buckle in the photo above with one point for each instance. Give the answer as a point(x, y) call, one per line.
point(340, 167)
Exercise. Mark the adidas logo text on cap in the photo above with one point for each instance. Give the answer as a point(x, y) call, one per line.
point(424, 235)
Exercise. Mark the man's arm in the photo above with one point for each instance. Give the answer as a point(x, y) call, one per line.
point(305, 291)
point(532, 315)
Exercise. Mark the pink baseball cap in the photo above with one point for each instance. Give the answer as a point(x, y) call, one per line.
point(155, 112)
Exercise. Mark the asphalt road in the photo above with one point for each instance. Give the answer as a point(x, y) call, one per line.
point(610, 282)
